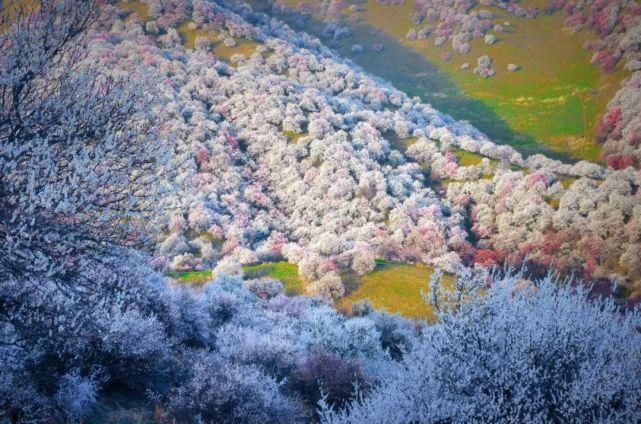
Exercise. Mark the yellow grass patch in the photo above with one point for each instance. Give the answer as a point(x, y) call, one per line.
point(396, 288)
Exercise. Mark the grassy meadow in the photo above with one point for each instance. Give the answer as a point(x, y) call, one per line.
point(284, 271)
point(392, 286)
point(191, 277)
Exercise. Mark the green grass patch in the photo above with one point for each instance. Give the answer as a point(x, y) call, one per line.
point(191, 277)
point(555, 202)
point(568, 181)
point(284, 271)
point(243, 47)
point(293, 136)
point(189, 35)
point(466, 158)
point(394, 287)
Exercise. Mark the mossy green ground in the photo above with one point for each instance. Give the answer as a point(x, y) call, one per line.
point(551, 105)
point(394, 287)
point(466, 158)
point(191, 277)
point(284, 271)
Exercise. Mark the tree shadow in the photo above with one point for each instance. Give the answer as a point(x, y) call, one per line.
point(413, 74)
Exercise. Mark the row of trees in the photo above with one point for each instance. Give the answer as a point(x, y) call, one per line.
point(620, 128)
point(459, 22)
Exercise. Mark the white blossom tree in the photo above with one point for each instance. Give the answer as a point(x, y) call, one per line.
point(79, 161)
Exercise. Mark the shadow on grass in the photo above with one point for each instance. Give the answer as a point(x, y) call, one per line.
point(285, 272)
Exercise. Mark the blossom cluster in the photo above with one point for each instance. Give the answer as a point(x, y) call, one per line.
point(291, 152)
